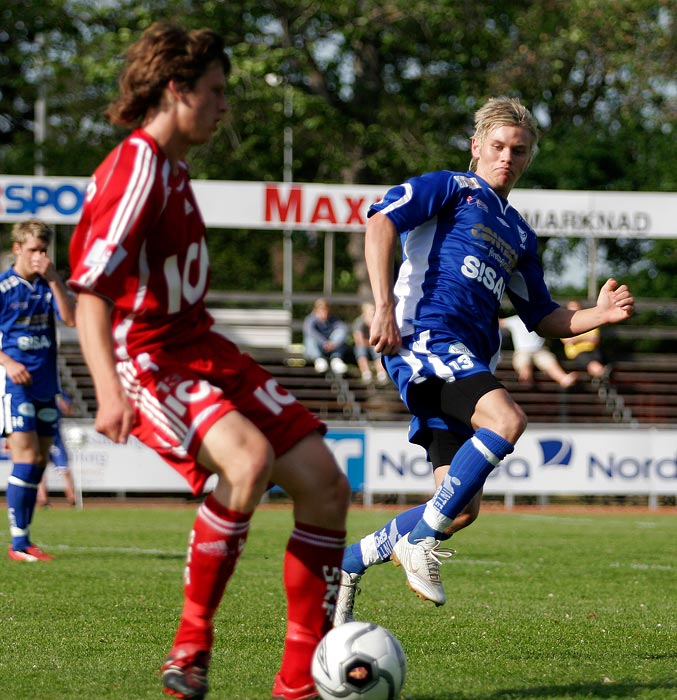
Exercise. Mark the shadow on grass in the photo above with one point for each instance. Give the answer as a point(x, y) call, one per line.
point(553, 692)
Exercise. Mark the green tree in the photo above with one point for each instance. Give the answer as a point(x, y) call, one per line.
point(380, 91)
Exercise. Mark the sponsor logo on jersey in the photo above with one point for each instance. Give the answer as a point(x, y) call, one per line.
point(484, 233)
point(33, 342)
point(523, 236)
point(471, 182)
point(106, 254)
point(36, 322)
point(477, 202)
point(477, 270)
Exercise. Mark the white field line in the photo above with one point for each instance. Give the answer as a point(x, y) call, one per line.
point(114, 550)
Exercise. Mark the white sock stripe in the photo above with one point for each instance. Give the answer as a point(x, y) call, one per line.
point(225, 527)
point(485, 451)
point(18, 531)
point(317, 540)
point(11, 479)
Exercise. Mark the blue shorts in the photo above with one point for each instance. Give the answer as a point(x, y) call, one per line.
point(22, 413)
point(423, 357)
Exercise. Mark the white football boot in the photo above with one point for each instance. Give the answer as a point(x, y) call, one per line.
point(421, 562)
point(345, 602)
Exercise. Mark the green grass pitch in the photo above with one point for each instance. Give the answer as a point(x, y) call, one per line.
point(541, 606)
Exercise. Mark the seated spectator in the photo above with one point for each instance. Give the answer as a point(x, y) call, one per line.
point(528, 350)
point(324, 339)
point(368, 360)
point(585, 349)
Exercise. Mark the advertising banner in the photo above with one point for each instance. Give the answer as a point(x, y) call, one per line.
point(327, 207)
point(548, 460)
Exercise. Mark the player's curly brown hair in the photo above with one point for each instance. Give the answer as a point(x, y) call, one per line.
point(164, 52)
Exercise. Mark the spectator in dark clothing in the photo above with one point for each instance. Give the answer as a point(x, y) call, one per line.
point(324, 339)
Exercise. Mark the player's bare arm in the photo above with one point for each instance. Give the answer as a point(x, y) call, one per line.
point(614, 304)
point(115, 416)
point(64, 299)
point(379, 247)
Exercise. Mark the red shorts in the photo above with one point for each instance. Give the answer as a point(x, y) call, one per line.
point(178, 394)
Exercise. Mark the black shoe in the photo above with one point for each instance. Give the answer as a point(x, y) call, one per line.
point(184, 674)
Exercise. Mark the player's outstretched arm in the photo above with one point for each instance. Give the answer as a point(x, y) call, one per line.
point(615, 303)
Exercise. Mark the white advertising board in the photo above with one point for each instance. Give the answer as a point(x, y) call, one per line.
point(548, 460)
point(318, 206)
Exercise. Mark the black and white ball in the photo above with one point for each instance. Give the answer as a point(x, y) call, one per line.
point(359, 661)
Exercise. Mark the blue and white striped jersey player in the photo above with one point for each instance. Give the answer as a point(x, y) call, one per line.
point(464, 247)
point(31, 295)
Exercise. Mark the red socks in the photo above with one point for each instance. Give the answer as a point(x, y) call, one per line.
point(312, 572)
point(217, 539)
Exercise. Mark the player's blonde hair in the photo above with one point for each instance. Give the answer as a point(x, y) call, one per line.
point(23, 230)
point(504, 111)
point(164, 52)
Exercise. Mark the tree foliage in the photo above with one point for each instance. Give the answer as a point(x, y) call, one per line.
point(379, 90)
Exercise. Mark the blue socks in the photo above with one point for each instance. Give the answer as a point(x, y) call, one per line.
point(468, 471)
point(377, 547)
point(22, 492)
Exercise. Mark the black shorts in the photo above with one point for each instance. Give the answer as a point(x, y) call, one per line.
point(441, 445)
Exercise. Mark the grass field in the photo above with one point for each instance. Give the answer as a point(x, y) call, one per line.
point(542, 605)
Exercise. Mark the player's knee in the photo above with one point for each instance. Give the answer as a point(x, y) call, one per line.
point(324, 492)
point(510, 423)
point(334, 498)
point(247, 468)
point(518, 423)
point(256, 466)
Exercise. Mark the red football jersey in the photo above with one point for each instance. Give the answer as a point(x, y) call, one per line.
point(141, 244)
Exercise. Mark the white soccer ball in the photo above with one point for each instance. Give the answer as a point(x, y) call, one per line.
point(359, 661)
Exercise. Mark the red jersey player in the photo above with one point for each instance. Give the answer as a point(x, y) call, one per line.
point(141, 270)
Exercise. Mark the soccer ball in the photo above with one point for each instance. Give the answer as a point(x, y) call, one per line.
point(359, 661)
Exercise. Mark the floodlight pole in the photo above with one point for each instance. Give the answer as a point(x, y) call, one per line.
point(288, 177)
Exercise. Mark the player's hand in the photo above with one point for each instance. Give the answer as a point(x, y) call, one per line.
point(18, 373)
point(115, 418)
point(385, 333)
point(615, 302)
point(44, 267)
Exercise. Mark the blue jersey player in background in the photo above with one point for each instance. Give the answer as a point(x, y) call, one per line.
point(31, 295)
point(463, 248)
point(59, 457)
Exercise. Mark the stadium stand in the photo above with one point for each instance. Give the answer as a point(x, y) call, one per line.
point(647, 384)
point(642, 389)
